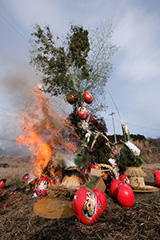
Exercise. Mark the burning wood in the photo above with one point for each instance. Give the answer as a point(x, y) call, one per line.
point(40, 87)
point(74, 177)
point(45, 133)
point(71, 177)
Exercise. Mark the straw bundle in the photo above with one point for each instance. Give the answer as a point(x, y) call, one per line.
point(61, 191)
point(71, 181)
point(136, 176)
point(135, 172)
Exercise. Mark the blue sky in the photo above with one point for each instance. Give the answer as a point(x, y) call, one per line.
point(134, 83)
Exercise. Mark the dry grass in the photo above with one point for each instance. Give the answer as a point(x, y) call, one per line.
point(18, 167)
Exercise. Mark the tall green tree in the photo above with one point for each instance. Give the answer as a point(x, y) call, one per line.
point(82, 62)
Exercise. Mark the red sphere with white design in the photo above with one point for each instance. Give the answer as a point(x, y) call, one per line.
point(114, 152)
point(124, 178)
point(26, 177)
point(92, 119)
point(83, 112)
point(72, 98)
point(3, 182)
point(88, 98)
point(92, 166)
point(102, 197)
point(87, 206)
point(41, 187)
point(157, 178)
point(114, 187)
point(125, 196)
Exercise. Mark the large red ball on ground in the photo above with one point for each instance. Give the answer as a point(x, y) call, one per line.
point(83, 112)
point(88, 98)
point(3, 183)
point(157, 178)
point(102, 197)
point(114, 187)
point(125, 196)
point(26, 177)
point(41, 187)
point(87, 206)
point(124, 178)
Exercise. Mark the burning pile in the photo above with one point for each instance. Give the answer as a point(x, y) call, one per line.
point(47, 136)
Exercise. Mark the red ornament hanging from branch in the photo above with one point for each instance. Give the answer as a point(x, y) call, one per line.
point(88, 98)
point(92, 119)
point(83, 112)
point(72, 98)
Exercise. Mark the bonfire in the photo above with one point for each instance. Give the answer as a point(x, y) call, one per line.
point(52, 142)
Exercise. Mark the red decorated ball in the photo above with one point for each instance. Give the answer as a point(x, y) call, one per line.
point(102, 197)
point(125, 196)
point(124, 178)
point(92, 166)
point(83, 112)
point(114, 151)
point(157, 178)
point(72, 98)
point(114, 187)
point(41, 187)
point(26, 177)
point(87, 206)
point(88, 98)
point(92, 119)
point(3, 183)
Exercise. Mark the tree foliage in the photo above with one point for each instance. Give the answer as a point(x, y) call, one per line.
point(78, 48)
point(82, 62)
point(51, 61)
point(129, 159)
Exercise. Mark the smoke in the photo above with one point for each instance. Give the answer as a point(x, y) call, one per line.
point(16, 82)
point(64, 159)
point(15, 92)
point(16, 85)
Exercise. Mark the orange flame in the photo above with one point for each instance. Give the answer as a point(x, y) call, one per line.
point(40, 87)
point(43, 131)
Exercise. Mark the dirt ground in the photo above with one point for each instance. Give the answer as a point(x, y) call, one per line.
point(18, 220)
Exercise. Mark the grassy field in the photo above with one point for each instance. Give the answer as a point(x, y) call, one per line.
point(18, 220)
